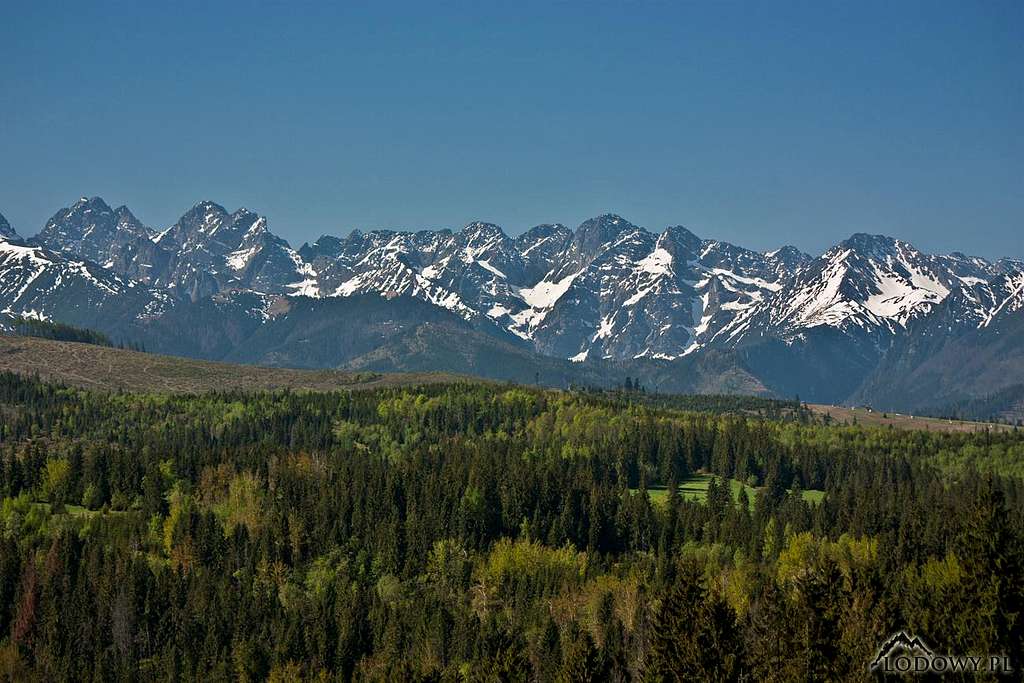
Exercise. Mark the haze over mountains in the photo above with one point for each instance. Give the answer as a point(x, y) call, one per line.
point(872, 320)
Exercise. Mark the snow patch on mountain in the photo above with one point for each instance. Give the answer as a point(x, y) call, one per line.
point(609, 289)
point(542, 296)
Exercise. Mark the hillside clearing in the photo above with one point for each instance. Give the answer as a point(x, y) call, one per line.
point(867, 417)
point(695, 488)
point(89, 366)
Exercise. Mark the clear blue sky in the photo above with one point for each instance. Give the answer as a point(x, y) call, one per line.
point(758, 123)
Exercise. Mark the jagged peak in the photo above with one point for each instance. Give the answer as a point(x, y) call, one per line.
point(326, 246)
point(547, 229)
point(72, 222)
point(242, 211)
point(332, 239)
point(594, 232)
point(421, 231)
point(788, 256)
point(680, 231)
point(89, 203)
point(6, 231)
point(125, 215)
point(608, 220)
point(786, 251)
point(862, 245)
point(868, 241)
point(203, 213)
point(1009, 265)
point(542, 231)
point(206, 206)
point(481, 228)
point(85, 199)
point(677, 238)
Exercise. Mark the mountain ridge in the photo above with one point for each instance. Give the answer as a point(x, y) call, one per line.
point(607, 290)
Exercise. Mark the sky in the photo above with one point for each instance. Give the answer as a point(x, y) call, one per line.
point(758, 123)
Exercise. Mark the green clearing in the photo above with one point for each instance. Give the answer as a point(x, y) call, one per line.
point(814, 495)
point(695, 488)
point(77, 510)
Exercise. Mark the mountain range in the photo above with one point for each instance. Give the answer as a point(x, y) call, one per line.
point(871, 321)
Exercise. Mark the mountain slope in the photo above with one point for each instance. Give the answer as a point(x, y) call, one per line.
point(106, 368)
point(38, 283)
point(610, 296)
point(401, 334)
point(830, 325)
point(6, 231)
point(90, 229)
point(469, 351)
point(941, 362)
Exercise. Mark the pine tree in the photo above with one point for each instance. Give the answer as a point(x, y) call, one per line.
point(696, 636)
point(580, 662)
point(990, 555)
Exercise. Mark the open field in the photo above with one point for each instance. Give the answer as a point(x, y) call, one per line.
point(875, 418)
point(77, 510)
point(99, 367)
point(695, 488)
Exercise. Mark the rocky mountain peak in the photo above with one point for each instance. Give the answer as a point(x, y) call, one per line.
point(89, 228)
point(90, 204)
point(871, 246)
point(204, 211)
point(788, 255)
point(481, 230)
point(6, 231)
point(483, 239)
point(1009, 265)
point(680, 242)
point(325, 246)
point(544, 230)
point(601, 230)
point(608, 289)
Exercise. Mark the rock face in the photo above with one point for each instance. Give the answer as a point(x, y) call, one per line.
point(970, 347)
point(38, 283)
point(607, 291)
point(206, 251)
point(6, 231)
point(92, 230)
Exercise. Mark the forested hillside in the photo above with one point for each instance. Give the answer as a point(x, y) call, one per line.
point(469, 531)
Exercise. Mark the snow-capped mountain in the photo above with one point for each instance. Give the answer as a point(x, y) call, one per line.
point(211, 250)
point(867, 284)
point(997, 294)
point(90, 229)
point(834, 320)
point(608, 290)
point(208, 250)
point(38, 283)
point(114, 238)
point(971, 346)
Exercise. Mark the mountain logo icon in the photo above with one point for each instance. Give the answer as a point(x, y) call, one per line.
point(907, 654)
point(900, 642)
